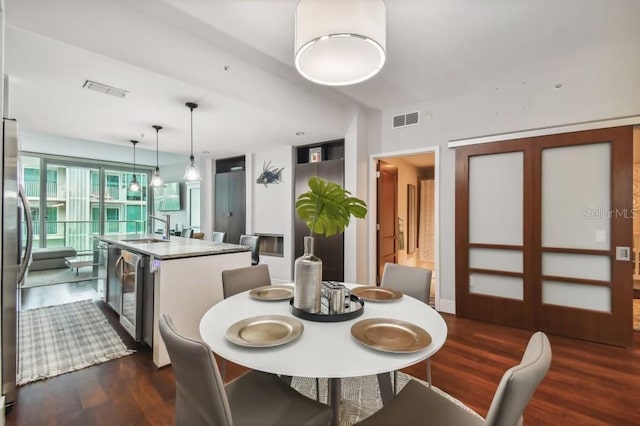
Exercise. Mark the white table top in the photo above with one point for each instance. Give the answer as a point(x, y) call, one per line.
point(325, 349)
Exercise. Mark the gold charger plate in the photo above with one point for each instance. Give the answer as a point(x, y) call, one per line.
point(373, 293)
point(272, 292)
point(264, 331)
point(390, 335)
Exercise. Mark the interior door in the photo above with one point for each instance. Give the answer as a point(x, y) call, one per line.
point(387, 215)
point(544, 234)
point(586, 233)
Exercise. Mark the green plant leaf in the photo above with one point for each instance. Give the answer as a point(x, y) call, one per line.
point(327, 207)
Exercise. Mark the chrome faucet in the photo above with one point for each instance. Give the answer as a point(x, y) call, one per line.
point(167, 225)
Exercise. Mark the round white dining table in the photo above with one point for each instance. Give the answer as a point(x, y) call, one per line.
point(324, 349)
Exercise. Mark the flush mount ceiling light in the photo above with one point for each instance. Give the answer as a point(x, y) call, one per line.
point(191, 174)
point(340, 42)
point(156, 179)
point(134, 186)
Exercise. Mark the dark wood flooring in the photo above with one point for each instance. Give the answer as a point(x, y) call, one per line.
point(588, 384)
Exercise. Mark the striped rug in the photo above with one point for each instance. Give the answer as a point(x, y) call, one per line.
point(360, 395)
point(63, 338)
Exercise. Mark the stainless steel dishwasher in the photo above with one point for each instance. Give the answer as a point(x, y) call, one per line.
point(130, 272)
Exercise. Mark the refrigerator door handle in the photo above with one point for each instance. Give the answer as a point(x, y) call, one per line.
point(29, 248)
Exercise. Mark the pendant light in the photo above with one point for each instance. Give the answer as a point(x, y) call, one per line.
point(191, 174)
point(134, 186)
point(156, 179)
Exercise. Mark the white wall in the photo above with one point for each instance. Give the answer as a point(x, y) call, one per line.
point(272, 207)
point(591, 91)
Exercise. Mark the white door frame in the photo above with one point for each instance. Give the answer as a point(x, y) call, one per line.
point(373, 214)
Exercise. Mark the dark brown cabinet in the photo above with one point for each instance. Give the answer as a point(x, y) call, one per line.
point(230, 205)
point(330, 250)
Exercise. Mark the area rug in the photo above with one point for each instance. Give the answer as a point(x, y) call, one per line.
point(360, 395)
point(63, 338)
point(636, 314)
point(56, 276)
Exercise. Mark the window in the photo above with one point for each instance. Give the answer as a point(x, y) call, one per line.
point(32, 182)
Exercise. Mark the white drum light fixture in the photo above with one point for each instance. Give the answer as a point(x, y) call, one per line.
point(340, 42)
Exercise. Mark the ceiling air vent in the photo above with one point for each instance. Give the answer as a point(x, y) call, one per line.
point(103, 88)
point(408, 119)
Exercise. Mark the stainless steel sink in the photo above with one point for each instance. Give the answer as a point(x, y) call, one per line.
point(145, 241)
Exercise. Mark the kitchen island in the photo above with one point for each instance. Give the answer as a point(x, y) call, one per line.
point(187, 279)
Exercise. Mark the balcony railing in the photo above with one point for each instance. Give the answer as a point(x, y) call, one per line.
point(54, 190)
point(79, 233)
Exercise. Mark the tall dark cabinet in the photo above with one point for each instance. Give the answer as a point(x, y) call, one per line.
point(331, 168)
point(230, 200)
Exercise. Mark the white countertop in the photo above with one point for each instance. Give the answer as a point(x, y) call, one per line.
point(174, 248)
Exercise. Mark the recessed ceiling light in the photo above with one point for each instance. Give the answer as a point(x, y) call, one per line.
point(558, 85)
point(206, 152)
point(299, 133)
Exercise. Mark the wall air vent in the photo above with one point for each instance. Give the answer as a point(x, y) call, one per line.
point(103, 88)
point(408, 119)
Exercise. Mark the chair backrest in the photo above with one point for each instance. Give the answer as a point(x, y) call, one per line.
point(218, 236)
point(200, 395)
point(198, 235)
point(236, 281)
point(414, 282)
point(187, 233)
point(252, 241)
point(520, 382)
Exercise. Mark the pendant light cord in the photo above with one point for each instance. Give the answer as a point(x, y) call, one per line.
point(191, 157)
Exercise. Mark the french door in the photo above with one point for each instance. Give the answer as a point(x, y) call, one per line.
point(544, 233)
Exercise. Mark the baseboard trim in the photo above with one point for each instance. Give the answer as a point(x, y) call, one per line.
point(447, 306)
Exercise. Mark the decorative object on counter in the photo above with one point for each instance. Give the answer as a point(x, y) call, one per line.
point(270, 174)
point(134, 186)
point(336, 304)
point(192, 174)
point(156, 179)
point(315, 154)
point(326, 209)
point(64, 338)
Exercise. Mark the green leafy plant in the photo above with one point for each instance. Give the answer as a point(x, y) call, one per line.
point(327, 207)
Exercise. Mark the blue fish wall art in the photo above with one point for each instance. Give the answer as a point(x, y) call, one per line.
point(270, 174)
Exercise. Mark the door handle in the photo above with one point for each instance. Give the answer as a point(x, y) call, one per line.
point(29, 248)
point(623, 253)
point(119, 269)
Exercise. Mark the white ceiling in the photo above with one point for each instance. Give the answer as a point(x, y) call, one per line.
point(169, 52)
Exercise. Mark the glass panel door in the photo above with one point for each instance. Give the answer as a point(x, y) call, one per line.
point(70, 205)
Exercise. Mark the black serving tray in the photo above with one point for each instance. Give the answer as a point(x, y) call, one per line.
point(355, 310)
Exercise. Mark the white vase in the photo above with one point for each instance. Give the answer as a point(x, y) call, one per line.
point(308, 279)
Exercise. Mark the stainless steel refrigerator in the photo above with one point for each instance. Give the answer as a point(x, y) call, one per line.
point(14, 257)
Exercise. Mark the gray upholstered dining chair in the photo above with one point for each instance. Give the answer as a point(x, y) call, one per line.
point(414, 282)
point(237, 280)
point(252, 241)
point(254, 398)
point(218, 236)
point(416, 404)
